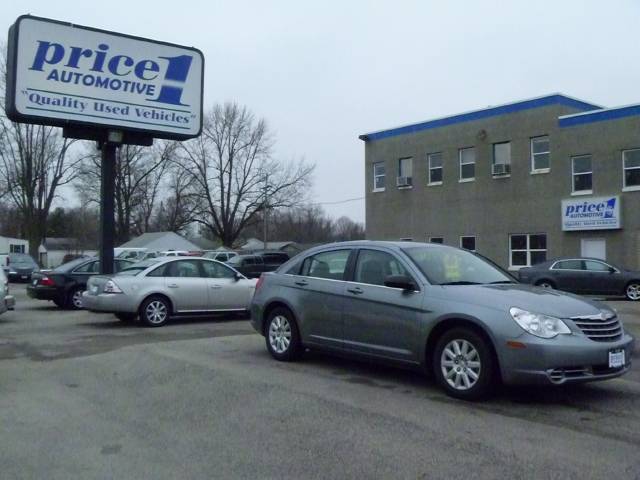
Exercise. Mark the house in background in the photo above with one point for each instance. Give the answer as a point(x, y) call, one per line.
point(13, 245)
point(160, 242)
point(53, 250)
point(253, 245)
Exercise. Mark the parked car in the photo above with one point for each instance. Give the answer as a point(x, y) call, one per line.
point(220, 256)
point(588, 276)
point(439, 308)
point(7, 302)
point(256, 264)
point(64, 285)
point(20, 267)
point(162, 288)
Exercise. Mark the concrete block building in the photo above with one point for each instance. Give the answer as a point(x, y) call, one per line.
point(519, 183)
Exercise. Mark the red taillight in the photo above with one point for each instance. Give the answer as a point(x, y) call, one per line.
point(46, 282)
point(259, 282)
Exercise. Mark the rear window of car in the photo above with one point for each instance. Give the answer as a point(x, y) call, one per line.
point(569, 265)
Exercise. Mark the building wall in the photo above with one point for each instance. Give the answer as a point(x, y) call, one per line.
point(492, 208)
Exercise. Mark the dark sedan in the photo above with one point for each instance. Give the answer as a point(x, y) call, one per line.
point(20, 267)
point(252, 266)
point(64, 284)
point(588, 276)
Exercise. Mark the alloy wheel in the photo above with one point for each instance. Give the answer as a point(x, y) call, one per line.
point(460, 364)
point(76, 299)
point(633, 291)
point(156, 312)
point(280, 334)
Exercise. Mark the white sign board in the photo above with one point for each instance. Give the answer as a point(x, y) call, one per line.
point(595, 213)
point(66, 75)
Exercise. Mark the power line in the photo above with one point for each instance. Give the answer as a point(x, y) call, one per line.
point(338, 202)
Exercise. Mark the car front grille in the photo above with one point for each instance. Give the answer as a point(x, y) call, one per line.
point(599, 329)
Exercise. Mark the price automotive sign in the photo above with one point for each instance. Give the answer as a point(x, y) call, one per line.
point(596, 213)
point(66, 75)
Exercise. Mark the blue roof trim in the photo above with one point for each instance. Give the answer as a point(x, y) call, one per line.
point(481, 114)
point(599, 116)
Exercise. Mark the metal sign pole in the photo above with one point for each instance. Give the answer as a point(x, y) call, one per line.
point(107, 201)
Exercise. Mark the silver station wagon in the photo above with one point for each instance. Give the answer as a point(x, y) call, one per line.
point(439, 308)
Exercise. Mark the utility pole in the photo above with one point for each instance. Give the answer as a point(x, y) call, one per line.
point(265, 210)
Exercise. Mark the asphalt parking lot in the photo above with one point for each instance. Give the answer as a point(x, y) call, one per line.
point(86, 396)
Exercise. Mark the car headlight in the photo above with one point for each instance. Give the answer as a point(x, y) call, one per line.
point(542, 326)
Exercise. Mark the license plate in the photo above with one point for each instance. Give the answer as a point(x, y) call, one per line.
point(616, 358)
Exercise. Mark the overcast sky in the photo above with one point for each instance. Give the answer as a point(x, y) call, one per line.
point(324, 72)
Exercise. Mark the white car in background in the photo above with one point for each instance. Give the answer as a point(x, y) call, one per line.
point(159, 289)
point(7, 302)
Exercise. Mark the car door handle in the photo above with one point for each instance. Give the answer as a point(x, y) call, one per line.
point(302, 283)
point(173, 285)
point(355, 290)
point(216, 287)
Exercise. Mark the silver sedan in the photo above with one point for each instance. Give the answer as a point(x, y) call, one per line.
point(160, 288)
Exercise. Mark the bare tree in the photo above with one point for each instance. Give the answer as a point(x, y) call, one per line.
point(235, 176)
point(34, 163)
point(139, 174)
point(179, 207)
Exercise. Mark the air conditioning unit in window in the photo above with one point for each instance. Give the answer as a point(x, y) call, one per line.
point(501, 169)
point(405, 181)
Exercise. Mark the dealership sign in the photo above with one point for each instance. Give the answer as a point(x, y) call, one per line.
point(66, 75)
point(599, 213)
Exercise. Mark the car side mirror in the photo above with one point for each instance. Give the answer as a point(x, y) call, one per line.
point(400, 281)
point(237, 277)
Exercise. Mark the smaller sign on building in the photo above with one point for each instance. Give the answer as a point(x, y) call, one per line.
point(595, 213)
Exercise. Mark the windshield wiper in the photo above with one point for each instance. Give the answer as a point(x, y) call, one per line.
point(460, 282)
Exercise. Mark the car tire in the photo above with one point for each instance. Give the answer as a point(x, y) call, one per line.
point(59, 303)
point(155, 311)
point(463, 364)
point(126, 317)
point(282, 335)
point(632, 291)
point(546, 284)
point(74, 298)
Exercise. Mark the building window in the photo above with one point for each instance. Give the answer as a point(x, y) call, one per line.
point(378, 177)
point(527, 249)
point(14, 248)
point(540, 154)
point(467, 164)
point(436, 239)
point(631, 167)
point(405, 172)
point(501, 158)
point(582, 174)
point(468, 243)
point(435, 168)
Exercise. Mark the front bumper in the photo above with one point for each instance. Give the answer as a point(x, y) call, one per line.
point(564, 359)
point(108, 303)
point(10, 302)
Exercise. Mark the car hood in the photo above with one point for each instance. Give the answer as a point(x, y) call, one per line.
point(534, 299)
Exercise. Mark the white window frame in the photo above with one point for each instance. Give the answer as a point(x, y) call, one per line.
point(441, 168)
point(375, 176)
point(630, 188)
point(460, 164)
point(410, 160)
point(535, 170)
point(432, 238)
point(475, 242)
point(573, 175)
point(527, 249)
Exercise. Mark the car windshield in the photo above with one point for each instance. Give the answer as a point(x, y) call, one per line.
point(136, 268)
point(451, 266)
point(21, 259)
